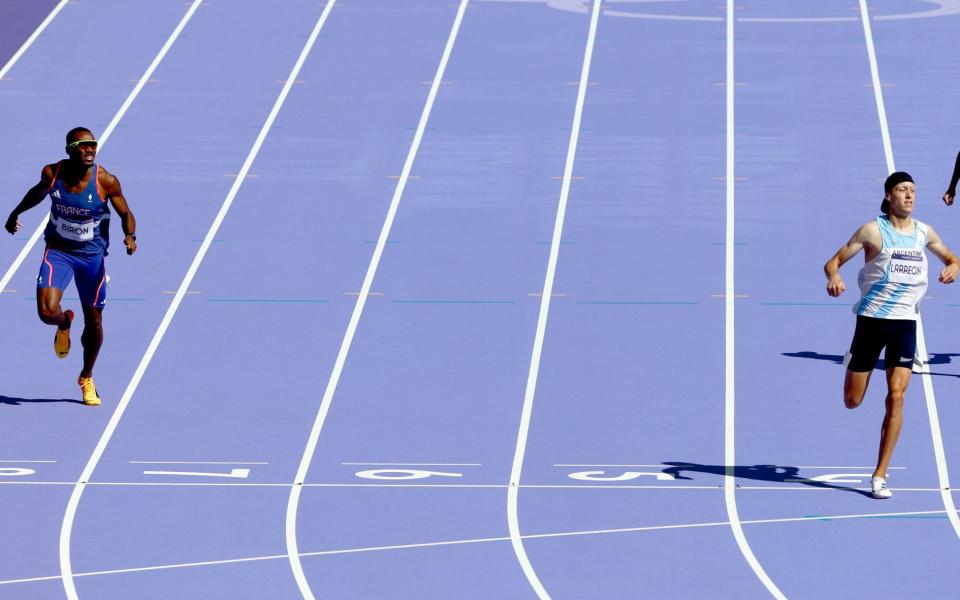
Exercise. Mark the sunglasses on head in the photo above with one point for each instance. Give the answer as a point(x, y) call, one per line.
point(92, 143)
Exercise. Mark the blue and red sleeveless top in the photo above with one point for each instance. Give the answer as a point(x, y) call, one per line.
point(78, 221)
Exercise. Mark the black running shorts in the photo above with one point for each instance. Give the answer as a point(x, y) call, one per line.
point(899, 336)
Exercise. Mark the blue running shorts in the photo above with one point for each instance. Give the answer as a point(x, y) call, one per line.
point(59, 268)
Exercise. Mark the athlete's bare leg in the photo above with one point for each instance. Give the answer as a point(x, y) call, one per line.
point(898, 378)
point(48, 307)
point(92, 338)
point(855, 387)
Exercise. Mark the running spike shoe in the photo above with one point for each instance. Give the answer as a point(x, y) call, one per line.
point(90, 397)
point(880, 489)
point(61, 339)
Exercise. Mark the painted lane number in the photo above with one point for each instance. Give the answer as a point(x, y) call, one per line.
point(15, 472)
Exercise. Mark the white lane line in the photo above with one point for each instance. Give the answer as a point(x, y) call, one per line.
point(609, 465)
point(35, 236)
point(937, 438)
point(294, 499)
point(529, 486)
point(513, 519)
point(30, 40)
point(195, 462)
point(410, 464)
point(67, 526)
point(562, 534)
point(730, 480)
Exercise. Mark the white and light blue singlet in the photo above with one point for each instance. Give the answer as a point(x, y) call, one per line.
point(895, 281)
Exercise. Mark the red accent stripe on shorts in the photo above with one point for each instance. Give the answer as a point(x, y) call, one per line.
point(49, 264)
point(96, 297)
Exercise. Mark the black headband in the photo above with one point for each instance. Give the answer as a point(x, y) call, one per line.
point(893, 180)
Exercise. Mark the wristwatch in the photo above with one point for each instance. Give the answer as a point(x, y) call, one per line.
point(131, 235)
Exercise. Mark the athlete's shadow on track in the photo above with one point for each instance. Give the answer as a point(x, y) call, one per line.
point(18, 401)
point(772, 473)
point(943, 358)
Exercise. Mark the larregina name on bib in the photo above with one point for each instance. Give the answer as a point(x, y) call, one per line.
point(906, 266)
point(78, 232)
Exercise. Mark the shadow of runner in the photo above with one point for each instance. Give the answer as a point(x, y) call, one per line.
point(18, 401)
point(772, 473)
point(941, 358)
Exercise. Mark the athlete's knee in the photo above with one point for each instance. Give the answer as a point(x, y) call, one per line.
point(852, 399)
point(895, 398)
point(48, 314)
point(92, 330)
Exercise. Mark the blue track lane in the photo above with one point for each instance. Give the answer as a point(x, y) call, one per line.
point(438, 368)
point(632, 371)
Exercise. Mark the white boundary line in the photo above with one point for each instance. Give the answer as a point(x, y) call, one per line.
point(928, 393)
point(513, 520)
point(67, 526)
point(196, 462)
point(210, 563)
point(106, 134)
point(730, 480)
point(311, 446)
point(531, 486)
point(30, 40)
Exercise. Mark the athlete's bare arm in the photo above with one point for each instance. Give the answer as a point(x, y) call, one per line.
point(867, 238)
point(952, 188)
point(110, 187)
point(940, 250)
point(33, 197)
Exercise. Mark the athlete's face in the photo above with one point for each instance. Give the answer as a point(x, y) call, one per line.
point(83, 148)
point(901, 198)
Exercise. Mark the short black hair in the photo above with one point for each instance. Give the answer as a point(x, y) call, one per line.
point(76, 131)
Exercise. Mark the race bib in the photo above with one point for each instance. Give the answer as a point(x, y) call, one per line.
point(907, 266)
point(78, 232)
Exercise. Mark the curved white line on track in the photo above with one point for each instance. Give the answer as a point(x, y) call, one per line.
point(513, 491)
point(30, 40)
point(67, 526)
point(729, 480)
point(945, 8)
point(937, 439)
point(560, 534)
point(293, 501)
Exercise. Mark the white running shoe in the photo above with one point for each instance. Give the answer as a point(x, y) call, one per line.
point(880, 489)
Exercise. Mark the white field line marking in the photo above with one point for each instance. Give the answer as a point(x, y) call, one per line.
point(532, 486)
point(106, 134)
point(210, 563)
point(195, 462)
point(67, 526)
point(27, 461)
point(513, 491)
point(730, 481)
point(30, 40)
point(294, 499)
point(387, 464)
point(941, 459)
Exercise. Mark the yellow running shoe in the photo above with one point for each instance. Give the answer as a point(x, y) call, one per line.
point(90, 397)
point(61, 340)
